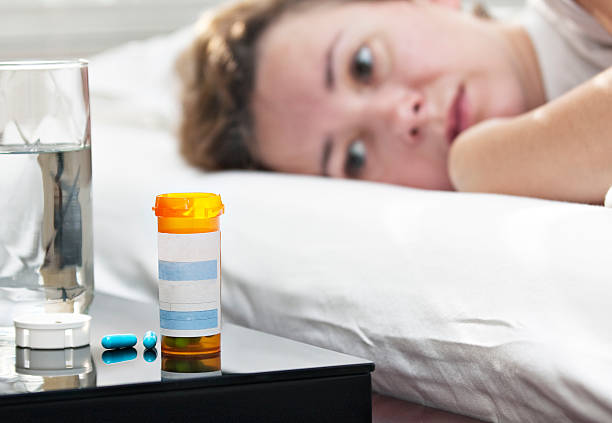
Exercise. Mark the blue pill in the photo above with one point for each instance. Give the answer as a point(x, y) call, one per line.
point(150, 355)
point(150, 339)
point(119, 341)
point(119, 355)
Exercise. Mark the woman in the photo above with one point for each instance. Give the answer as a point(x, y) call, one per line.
point(407, 92)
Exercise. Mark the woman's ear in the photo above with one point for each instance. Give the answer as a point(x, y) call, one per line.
point(453, 4)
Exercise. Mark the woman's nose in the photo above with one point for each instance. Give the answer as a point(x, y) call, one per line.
point(403, 114)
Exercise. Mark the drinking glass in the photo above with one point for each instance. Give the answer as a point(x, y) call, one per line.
point(46, 254)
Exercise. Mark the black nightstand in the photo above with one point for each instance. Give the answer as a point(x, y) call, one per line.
point(264, 378)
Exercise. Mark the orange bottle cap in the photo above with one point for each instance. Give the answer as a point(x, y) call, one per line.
point(198, 205)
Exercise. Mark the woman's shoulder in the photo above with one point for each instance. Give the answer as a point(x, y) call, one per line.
point(601, 10)
point(571, 44)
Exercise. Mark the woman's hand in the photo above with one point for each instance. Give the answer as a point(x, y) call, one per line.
point(561, 150)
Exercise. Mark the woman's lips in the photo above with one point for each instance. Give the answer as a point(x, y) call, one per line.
point(458, 118)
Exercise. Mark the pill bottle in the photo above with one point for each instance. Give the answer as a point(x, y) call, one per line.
point(189, 266)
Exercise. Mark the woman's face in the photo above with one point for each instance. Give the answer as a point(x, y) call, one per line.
point(377, 90)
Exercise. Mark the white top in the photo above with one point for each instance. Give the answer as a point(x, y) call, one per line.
point(51, 320)
point(52, 330)
point(572, 46)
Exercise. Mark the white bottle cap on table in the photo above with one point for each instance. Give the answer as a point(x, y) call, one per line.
point(50, 331)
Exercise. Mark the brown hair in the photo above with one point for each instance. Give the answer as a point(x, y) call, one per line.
point(218, 72)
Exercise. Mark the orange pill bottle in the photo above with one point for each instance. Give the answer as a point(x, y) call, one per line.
point(189, 266)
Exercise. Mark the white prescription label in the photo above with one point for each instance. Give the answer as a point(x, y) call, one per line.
point(189, 284)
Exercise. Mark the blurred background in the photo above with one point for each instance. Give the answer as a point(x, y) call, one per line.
point(81, 28)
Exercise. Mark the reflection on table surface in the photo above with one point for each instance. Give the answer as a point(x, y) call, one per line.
point(175, 367)
point(31, 370)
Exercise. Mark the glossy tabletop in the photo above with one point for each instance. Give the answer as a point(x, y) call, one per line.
point(246, 355)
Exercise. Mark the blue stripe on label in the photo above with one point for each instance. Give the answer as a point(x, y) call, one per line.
point(187, 271)
point(189, 320)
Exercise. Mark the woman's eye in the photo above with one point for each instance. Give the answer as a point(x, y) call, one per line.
point(362, 65)
point(355, 159)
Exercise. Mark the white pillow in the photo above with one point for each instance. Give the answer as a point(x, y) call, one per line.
point(136, 83)
point(491, 306)
point(487, 305)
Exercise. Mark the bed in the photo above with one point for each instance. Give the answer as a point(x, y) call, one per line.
point(489, 306)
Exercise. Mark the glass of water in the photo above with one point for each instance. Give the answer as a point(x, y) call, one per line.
point(46, 251)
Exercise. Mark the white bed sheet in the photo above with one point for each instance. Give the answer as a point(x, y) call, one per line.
point(492, 306)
